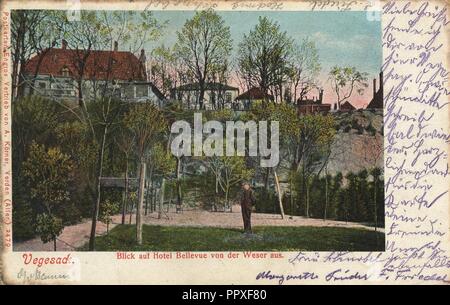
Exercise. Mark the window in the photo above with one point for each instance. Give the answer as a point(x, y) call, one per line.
point(65, 71)
point(129, 91)
point(228, 97)
point(141, 91)
point(42, 85)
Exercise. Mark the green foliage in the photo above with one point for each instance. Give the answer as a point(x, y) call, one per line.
point(230, 172)
point(289, 121)
point(345, 80)
point(221, 115)
point(162, 160)
point(48, 173)
point(146, 122)
point(23, 111)
point(84, 154)
point(349, 199)
point(108, 208)
point(34, 119)
point(23, 216)
point(266, 201)
point(259, 111)
point(370, 129)
point(48, 227)
point(199, 190)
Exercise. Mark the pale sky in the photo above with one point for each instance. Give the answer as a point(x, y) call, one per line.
point(342, 38)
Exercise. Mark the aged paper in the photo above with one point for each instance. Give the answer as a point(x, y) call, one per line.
point(348, 95)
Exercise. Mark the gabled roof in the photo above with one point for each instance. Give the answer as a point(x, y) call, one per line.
point(254, 94)
point(99, 65)
point(376, 102)
point(157, 92)
point(347, 106)
point(208, 86)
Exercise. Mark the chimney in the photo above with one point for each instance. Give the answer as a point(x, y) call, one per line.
point(64, 44)
point(116, 46)
point(320, 96)
point(142, 57)
point(142, 60)
point(374, 87)
point(381, 83)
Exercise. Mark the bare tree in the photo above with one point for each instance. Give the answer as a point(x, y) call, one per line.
point(203, 43)
point(125, 143)
point(163, 71)
point(146, 122)
point(263, 56)
point(305, 68)
point(32, 32)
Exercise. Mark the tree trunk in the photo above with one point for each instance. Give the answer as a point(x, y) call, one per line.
point(216, 193)
point(307, 199)
point(161, 197)
point(97, 203)
point(146, 198)
point(227, 205)
point(291, 199)
point(201, 95)
point(266, 180)
point(131, 212)
point(125, 199)
point(140, 203)
point(54, 244)
point(375, 202)
point(150, 177)
point(179, 195)
point(153, 199)
point(304, 189)
point(326, 197)
point(280, 202)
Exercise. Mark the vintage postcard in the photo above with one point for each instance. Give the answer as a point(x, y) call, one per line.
point(224, 142)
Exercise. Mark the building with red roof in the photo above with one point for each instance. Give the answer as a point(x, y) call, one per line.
point(244, 100)
point(72, 74)
point(347, 106)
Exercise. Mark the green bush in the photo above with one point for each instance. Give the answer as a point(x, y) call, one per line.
point(23, 220)
point(349, 199)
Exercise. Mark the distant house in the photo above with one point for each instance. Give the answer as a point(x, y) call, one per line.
point(142, 92)
point(377, 100)
point(244, 101)
point(347, 106)
point(315, 100)
point(313, 106)
point(72, 75)
point(217, 95)
point(314, 109)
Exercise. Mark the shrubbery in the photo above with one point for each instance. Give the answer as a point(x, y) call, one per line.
point(349, 198)
point(54, 163)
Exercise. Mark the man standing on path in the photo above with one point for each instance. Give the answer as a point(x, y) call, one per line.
point(247, 201)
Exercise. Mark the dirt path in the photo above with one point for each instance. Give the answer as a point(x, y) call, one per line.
point(77, 235)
